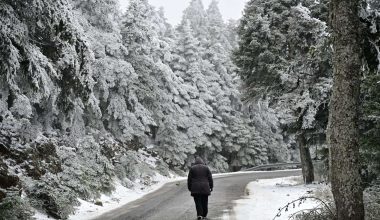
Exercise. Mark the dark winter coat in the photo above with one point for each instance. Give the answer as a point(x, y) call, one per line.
point(199, 181)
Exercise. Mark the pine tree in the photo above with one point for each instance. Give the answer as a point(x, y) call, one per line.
point(232, 33)
point(100, 13)
point(280, 59)
point(196, 15)
point(138, 30)
point(189, 47)
point(343, 134)
point(369, 125)
point(215, 22)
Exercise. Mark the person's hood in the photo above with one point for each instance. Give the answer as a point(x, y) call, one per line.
point(199, 160)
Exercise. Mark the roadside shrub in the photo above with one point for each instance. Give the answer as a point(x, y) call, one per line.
point(132, 168)
point(13, 207)
point(51, 196)
point(85, 169)
point(325, 210)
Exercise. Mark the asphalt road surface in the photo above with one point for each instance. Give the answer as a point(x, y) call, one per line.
point(173, 200)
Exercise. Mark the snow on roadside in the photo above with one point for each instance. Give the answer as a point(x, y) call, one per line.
point(122, 195)
point(266, 196)
point(250, 172)
point(119, 197)
point(40, 216)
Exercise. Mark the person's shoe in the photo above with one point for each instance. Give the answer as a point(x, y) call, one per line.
point(199, 218)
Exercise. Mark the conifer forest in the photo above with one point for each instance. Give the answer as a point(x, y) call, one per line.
point(91, 94)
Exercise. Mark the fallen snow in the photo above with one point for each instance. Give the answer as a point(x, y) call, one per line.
point(40, 216)
point(265, 197)
point(119, 197)
point(122, 195)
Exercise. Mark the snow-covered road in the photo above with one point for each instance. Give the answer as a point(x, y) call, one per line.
point(173, 201)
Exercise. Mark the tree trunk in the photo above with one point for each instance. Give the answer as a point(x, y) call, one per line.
point(343, 132)
point(306, 162)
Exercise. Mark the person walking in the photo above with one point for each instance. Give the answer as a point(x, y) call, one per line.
point(200, 184)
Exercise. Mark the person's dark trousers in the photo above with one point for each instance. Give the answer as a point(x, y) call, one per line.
point(201, 204)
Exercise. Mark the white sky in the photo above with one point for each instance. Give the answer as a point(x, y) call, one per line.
point(230, 9)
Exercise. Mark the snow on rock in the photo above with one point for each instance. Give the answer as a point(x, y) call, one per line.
point(264, 198)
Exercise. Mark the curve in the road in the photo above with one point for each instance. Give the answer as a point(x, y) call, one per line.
point(173, 200)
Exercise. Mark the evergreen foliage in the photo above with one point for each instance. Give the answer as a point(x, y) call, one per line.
point(370, 111)
point(89, 94)
point(284, 59)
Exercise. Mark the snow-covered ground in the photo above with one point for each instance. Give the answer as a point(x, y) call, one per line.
point(264, 198)
point(262, 201)
point(119, 197)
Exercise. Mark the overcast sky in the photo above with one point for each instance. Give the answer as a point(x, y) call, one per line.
point(230, 9)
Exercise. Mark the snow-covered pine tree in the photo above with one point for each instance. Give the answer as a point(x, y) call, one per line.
point(218, 89)
point(150, 55)
point(76, 110)
point(238, 137)
point(195, 14)
point(141, 40)
point(216, 26)
point(267, 124)
point(370, 88)
point(103, 14)
point(46, 84)
point(189, 68)
point(283, 56)
point(96, 95)
point(232, 36)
